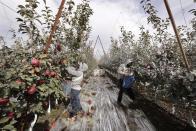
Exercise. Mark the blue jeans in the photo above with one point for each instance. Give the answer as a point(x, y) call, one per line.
point(75, 101)
point(122, 90)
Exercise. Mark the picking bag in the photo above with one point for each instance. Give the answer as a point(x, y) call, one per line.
point(128, 81)
point(66, 86)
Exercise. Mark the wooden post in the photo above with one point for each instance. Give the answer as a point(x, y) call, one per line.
point(55, 23)
point(177, 34)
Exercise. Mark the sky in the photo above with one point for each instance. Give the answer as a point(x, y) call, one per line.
point(108, 16)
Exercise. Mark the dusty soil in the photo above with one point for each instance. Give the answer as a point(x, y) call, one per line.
point(102, 113)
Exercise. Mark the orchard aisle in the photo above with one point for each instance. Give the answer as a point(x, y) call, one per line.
point(103, 114)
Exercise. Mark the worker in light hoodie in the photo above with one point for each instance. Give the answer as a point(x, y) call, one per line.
point(125, 70)
point(78, 74)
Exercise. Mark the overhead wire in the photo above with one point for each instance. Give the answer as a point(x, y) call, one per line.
point(13, 10)
point(8, 7)
point(183, 12)
point(120, 16)
point(139, 19)
point(4, 9)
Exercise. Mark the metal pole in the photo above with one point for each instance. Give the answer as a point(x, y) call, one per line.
point(90, 43)
point(177, 34)
point(95, 44)
point(55, 23)
point(102, 46)
point(99, 53)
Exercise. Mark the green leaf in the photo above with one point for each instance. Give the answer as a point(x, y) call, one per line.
point(50, 91)
point(42, 62)
point(29, 79)
point(43, 56)
point(29, 0)
point(23, 76)
point(39, 21)
point(18, 115)
point(1, 85)
point(21, 6)
point(44, 94)
point(52, 84)
point(3, 120)
point(43, 87)
point(31, 71)
point(15, 85)
point(19, 19)
point(13, 122)
point(9, 127)
point(8, 75)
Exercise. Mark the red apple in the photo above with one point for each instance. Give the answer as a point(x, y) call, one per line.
point(148, 67)
point(32, 90)
point(48, 129)
point(47, 73)
point(92, 108)
point(41, 82)
point(58, 48)
point(3, 101)
point(53, 73)
point(46, 103)
point(148, 70)
point(3, 66)
point(35, 62)
point(61, 61)
point(89, 113)
point(53, 124)
point(18, 81)
point(10, 115)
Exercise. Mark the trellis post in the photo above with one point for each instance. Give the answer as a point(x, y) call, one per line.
point(54, 27)
point(177, 34)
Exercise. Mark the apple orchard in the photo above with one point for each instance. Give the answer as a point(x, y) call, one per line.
point(31, 79)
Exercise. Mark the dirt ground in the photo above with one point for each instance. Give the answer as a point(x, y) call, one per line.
point(102, 113)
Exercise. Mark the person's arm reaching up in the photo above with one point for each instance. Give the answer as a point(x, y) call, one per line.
point(73, 71)
point(121, 70)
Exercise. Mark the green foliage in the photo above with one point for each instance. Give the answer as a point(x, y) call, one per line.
point(158, 62)
point(18, 75)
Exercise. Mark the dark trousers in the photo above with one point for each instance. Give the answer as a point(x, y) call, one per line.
point(128, 90)
point(75, 101)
